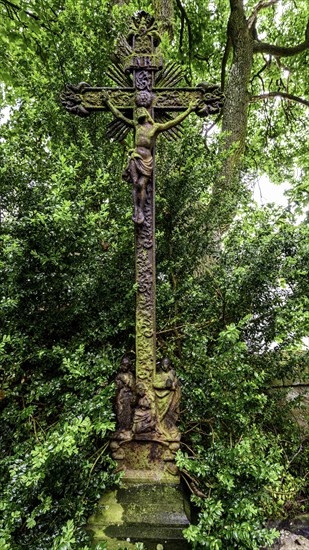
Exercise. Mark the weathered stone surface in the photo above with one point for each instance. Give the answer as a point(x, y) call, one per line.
point(290, 541)
point(299, 525)
point(147, 461)
point(154, 514)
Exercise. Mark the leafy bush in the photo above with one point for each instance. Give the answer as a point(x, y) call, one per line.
point(55, 433)
point(235, 459)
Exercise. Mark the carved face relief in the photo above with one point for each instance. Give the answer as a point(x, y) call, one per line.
point(143, 99)
point(142, 114)
point(140, 389)
point(125, 364)
point(165, 364)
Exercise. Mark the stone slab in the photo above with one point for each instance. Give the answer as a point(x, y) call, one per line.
point(154, 514)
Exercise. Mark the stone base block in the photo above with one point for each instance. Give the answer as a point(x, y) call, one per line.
point(154, 514)
point(147, 461)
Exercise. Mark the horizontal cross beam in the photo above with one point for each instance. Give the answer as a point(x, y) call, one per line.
point(84, 99)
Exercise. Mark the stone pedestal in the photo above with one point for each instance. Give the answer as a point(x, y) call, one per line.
point(154, 514)
point(147, 461)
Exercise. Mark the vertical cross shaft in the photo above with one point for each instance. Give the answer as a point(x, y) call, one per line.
point(145, 296)
point(145, 271)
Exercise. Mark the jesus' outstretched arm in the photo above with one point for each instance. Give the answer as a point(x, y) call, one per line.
point(174, 121)
point(117, 113)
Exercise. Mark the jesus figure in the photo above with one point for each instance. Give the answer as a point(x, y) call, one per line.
point(146, 130)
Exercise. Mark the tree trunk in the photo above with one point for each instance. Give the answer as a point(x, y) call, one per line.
point(235, 112)
point(235, 115)
point(164, 14)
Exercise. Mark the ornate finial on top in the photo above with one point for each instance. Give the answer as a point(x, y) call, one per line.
point(142, 40)
point(143, 25)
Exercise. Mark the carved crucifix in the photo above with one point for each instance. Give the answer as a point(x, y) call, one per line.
point(147, 101)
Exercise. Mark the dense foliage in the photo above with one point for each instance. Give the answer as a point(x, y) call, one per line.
point(232, 277)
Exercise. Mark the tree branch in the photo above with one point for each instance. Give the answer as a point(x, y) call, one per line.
point(258, 74)
point(282, 51)
point(16, 9)
point(226, 54)
point(185, 17)
point(283, 95)
point(181, 33)
point(260, 6)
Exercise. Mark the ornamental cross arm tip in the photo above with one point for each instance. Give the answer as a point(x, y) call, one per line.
point(72, 100)
point(212, 99)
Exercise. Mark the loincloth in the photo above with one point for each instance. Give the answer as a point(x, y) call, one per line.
point(144, 166)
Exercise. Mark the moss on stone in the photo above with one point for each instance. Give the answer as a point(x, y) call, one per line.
point(154, 514)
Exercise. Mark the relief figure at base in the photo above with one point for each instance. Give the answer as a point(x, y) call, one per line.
point(167, 391)
point(144, 420)
point(125, 399)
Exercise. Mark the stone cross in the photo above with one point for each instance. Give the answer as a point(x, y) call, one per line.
point(148, 101)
